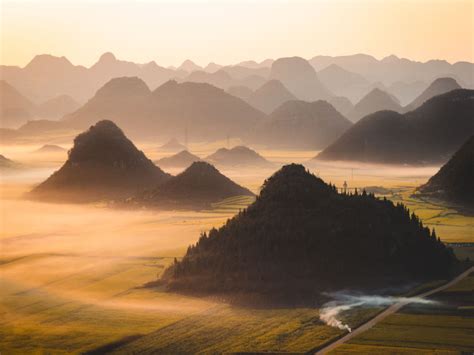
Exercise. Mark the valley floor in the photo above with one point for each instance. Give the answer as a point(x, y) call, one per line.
point(71, 277)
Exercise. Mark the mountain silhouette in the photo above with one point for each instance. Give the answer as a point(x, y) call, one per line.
point(454, 181)
point(204, 110)
point(240, 73)
point(342, 104)
point(239, 156)
point(392, 69)
point(48, 76)
point(189, 66)
point(437, 87)
point(120, 99)
point(252, 64)
point(302, 125)
point(429, 134)
point(50, 148)
point(297, 75)
point(342, 82)
point(15, 109)
point(226, 77)
point(181, 160)
point(57, 107)
point(219, 79)
point(406, 92)
point(7, 164)
point(301, 237)
point(197, 187)
point(253, 82)
point(269, 96)
point(240, 91)
point(212, 67)
point(103, 164)
point(375, 100)
point(172, 145)
point(108, 67)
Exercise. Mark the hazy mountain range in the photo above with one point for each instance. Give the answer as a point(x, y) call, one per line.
point(16, 109)
point(47, 76)
point(205, 111)
point(301, 125)
point(393, 69)
point(282, 103)
point(429, 134)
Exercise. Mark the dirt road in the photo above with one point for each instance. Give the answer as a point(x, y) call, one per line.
point(390, 310)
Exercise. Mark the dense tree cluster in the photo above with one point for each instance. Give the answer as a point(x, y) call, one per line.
point(102, 164)
point(301, 236)
point(455, 180)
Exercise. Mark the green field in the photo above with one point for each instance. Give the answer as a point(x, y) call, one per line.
point(446, 327)
point(451, 224)
point(232, 204)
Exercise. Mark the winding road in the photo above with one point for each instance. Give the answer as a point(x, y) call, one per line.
point(390, 310)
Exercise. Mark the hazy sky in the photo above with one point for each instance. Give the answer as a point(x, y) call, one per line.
point(231, 31)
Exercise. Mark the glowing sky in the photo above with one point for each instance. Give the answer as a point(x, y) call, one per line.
point(231, 31)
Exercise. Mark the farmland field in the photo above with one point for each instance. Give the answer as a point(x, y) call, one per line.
point(447, 326)
point(72, 276)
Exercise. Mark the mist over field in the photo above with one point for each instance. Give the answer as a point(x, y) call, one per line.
point(236, 177)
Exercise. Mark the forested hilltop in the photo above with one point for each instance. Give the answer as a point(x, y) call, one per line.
point(454, 181)
point(301, 237)
point(103, 164)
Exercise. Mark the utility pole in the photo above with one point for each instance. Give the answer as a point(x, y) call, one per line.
point(186, 137)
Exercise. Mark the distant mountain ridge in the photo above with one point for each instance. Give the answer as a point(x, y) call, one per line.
point(342, 82)
point(239, 156)
point(438, 87)
point(269, 96)
point(197, 187)
point(48, 76)
point(57, 107)
point(182, 160)
point(299, 77)
point(392, 68)
point(15, 109)
point(301, 125)
point(429, 134)
point(205, 111)
point(50, 148)
point(375, 100)
point(8, 164)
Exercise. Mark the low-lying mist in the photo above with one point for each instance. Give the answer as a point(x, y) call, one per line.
point(331, 311)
